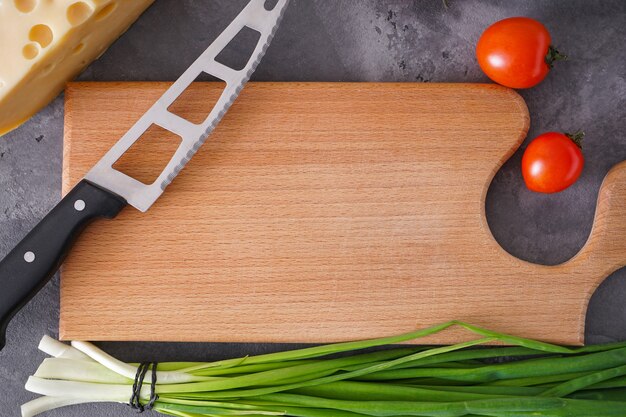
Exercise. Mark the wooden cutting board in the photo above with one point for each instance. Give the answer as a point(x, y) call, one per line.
point(321, 212)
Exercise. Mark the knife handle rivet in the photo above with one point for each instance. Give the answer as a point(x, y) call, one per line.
point(29, 257)
point(79, 205)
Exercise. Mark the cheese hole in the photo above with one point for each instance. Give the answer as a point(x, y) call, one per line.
point(30, 51)
point(106, 10)
point(25, 6)
point(42, 34)
point(78, 13)
point(78, 48)
point(47, 69)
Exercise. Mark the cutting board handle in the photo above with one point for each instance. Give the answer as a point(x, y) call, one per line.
point(609, 228)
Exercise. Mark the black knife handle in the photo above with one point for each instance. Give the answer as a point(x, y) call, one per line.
point(27, 268)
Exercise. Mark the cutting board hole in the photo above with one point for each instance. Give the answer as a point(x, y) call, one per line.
point(198, 99)
point(42, 34)
point(239, 50)
point(149, 155)
point(270, 4)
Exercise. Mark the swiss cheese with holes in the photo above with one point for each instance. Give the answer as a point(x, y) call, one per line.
point(45, 43)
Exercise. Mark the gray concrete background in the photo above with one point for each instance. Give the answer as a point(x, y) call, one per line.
point(351, 40)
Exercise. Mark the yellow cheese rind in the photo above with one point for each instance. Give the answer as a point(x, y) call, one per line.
point(45, 43)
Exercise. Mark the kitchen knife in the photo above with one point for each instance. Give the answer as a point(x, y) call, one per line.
point(104, 191)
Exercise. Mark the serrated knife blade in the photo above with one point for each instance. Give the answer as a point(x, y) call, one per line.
point(105, 191)
point(142, 196)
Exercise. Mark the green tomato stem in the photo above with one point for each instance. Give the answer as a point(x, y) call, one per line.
point(554, 55)
point(577, 137)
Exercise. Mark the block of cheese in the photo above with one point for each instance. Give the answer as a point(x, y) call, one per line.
point(45, 43)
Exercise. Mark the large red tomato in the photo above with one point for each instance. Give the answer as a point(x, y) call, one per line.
point(516, 52)
point(552, 162)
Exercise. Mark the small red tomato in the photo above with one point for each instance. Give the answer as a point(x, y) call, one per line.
point(552, 162)
point(516, 52)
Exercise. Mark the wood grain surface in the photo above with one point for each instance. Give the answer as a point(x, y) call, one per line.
point(320, 212)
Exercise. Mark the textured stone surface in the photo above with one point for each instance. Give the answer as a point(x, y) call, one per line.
point(352, 40)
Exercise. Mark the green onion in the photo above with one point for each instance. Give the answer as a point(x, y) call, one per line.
point(538, 379)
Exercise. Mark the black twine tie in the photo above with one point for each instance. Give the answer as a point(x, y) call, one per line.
point(135, 398)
